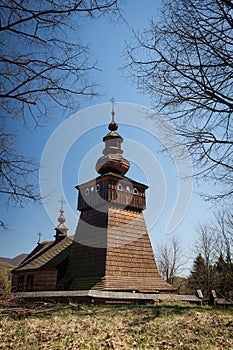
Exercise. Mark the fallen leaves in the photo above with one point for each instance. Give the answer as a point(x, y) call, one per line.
point(117, 327)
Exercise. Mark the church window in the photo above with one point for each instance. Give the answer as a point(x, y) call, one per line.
point(119, 187)
point(92, 188)
point(86, 192)
point(135, 191)
point(97, 187)
point(127, 188)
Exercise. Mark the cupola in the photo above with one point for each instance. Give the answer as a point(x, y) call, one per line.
point(112, 161)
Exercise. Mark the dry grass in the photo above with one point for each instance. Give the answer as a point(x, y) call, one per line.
point(161, 326)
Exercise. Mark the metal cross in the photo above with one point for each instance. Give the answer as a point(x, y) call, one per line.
point(113, 112)
point(62, 201)
point(40, 235)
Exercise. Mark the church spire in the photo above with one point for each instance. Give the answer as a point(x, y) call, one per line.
point(61, 229)
point(112, 161)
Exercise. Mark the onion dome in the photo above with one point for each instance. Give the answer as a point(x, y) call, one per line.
point(112, 160)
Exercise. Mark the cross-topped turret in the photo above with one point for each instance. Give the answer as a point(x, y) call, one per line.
point(112, 160)
point(61, 229)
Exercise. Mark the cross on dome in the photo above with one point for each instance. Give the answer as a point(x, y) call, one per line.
point(113, 125)
point(62, 201)
point(113, 112)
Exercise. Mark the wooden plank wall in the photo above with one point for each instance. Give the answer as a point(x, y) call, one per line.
point(43, 279)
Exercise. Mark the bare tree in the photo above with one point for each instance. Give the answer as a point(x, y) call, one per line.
point(205, 247)
point(206, 243)
point(222, 229)
point(43, 59)
point(213, 267)
point(44, 67)
point(15, 172)
point(215, 238)
point(170, 259)
point(185, 63)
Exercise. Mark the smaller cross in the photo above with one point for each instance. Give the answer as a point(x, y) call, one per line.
point(113, 112)
point(62, 201)
point(40, 235)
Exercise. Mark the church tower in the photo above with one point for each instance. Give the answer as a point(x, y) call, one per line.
point(111, 249)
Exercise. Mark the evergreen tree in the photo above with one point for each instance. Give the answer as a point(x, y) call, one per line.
point(199, 276)
point(224, 276)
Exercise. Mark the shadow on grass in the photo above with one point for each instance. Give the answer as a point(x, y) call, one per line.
point(141, 313)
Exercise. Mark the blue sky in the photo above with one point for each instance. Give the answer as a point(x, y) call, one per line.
point(106, 40)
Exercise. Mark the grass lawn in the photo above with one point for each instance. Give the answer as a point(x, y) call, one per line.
point(160, 326)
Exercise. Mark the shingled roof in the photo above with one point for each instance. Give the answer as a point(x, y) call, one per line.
point(46, 255)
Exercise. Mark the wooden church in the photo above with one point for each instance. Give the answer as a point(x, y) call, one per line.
point(111, 249)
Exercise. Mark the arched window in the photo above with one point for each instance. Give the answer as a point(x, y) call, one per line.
point(119, 187)
point(97, 188)
point(86, 192)
point(135, 191)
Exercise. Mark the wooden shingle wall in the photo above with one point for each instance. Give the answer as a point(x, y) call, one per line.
point(130, 263)
point(86, 262)
point(112, 251)
point(129, 249)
